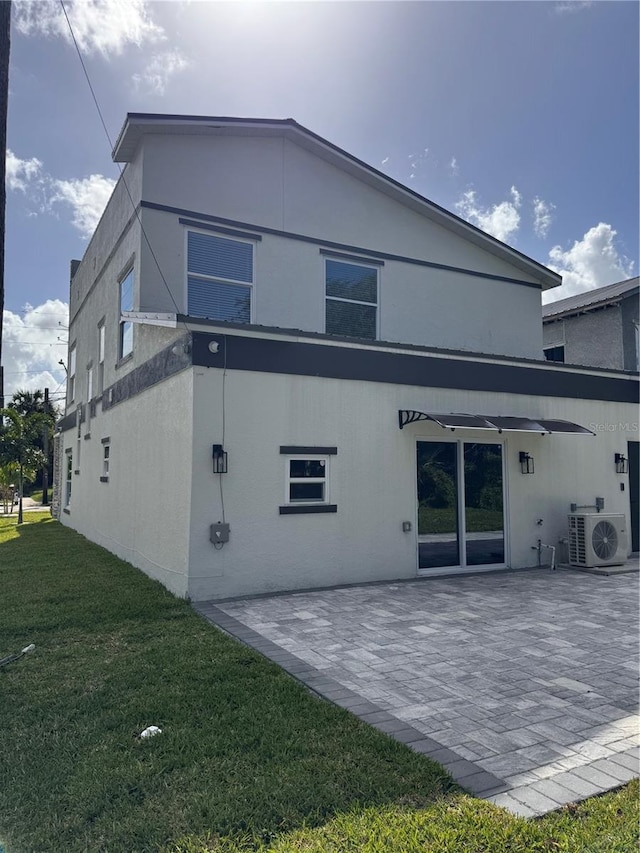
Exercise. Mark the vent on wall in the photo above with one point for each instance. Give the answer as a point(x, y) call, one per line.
point(596, 539)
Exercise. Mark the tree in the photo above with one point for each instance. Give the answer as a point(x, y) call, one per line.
point(19, 435)
point(35, 403)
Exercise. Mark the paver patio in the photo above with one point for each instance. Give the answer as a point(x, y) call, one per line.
point(524, 685)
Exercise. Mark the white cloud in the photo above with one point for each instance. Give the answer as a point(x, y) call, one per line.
point(385, 161)
point(454, 168)
point(32, 346)
point(502, 220)
point(568, 6)
point(542, 216)
point(591, 262)
point(87, 197)
point(162, 66)
point(20, 173)
point(106, 27)
point(417, 161)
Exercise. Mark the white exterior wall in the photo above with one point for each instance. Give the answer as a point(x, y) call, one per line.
point(142, 513)
point(275, 183)
point(372, 477)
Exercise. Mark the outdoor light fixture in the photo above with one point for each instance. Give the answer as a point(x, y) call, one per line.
point(526, 462)
point(219, 459)
point(621, 463)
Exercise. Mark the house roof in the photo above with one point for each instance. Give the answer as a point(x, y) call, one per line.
point(590, 300)
point(137, 125)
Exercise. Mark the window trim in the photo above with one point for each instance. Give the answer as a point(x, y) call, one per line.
point(101, 355)
point(289, 480)
point(72, 372)
point(372, 265)
point(129, 271)
point(106, 459)
point(251, 241)
point(68, 480)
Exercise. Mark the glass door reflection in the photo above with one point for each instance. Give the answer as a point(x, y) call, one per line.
point(483, 504)
point(437, 477)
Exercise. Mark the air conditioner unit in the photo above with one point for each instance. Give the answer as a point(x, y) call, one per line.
point(597, 539)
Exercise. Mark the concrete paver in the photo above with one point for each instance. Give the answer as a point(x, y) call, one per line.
point(523, 685)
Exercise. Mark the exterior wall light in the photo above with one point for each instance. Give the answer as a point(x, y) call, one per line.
point(219, 455)
point(526, 462)
point(621, 463)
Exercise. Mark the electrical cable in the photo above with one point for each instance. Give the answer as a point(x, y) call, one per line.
point(120, 169)
point(17, 656)
point(146, 238)
point(224, 382)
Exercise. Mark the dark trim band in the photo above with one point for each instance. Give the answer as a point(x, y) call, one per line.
point(336, 362)
point(291, 509)
point(178, 211)
point(219, 229)
point(290, 449)
point(359, 258)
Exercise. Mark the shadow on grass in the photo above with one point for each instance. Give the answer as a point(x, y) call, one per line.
point(244, 748)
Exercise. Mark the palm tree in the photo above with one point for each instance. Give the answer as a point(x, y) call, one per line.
point(18, 446)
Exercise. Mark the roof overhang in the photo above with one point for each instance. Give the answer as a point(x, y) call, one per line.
point(495, 423)
point(138, 124)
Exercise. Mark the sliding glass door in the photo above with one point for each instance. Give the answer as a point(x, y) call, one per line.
point(460, 490)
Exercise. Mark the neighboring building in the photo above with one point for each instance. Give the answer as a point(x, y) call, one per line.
point(267, 333)
point(598, 328)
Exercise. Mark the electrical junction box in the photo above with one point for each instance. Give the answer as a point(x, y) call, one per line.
point(219, 533)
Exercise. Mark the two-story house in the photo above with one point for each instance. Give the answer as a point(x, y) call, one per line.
point(287, 370)
point(598, 328)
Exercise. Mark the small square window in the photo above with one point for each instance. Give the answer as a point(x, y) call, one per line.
point(307, 480)
point(106, 455)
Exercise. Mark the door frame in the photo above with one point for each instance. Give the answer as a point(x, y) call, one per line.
point(633, 450)
point(463, 568)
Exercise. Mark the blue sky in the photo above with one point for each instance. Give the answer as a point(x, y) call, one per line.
point(521, 117)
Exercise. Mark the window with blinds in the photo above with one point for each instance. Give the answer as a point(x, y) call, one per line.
point(219, 277)
point(351, 299)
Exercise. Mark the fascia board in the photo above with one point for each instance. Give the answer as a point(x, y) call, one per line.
point(137, 124)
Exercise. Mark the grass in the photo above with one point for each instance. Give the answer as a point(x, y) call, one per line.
point(248, 759)
point(443, 520)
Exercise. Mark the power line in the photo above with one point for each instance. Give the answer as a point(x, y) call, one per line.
point(120, 169)
point(16, 372)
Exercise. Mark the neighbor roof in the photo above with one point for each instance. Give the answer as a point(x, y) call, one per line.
point(138, 124)
point(590, 299)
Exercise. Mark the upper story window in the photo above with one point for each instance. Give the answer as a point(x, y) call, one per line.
point(351, 299)
point(125, 345)
point(219, 277)
point(72, 373)
point(554, 353)
point(101, 338)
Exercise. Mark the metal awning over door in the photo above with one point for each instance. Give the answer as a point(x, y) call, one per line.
point(497, 423)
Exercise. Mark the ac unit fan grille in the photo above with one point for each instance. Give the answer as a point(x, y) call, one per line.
point(604, 540)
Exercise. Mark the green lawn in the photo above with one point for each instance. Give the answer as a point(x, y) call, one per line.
point(248, 759)
point(443, 520)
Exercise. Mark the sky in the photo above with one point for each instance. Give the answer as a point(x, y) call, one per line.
point(521, 117)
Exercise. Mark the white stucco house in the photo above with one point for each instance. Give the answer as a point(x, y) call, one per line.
point(287, 371)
